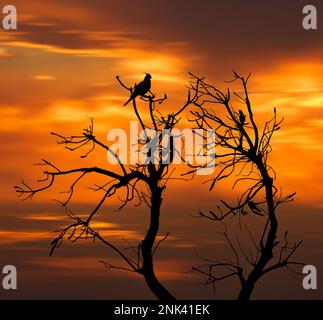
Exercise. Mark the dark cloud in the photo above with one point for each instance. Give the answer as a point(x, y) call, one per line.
point(232, 32)
point(77, 264)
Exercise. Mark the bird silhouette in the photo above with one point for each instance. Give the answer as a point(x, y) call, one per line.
point(242, 117)
point(141, 88)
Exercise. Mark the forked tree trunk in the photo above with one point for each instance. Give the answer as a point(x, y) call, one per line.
point(147, 248)
point(269, 241)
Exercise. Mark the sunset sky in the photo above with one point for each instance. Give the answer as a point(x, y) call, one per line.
point(58, 69)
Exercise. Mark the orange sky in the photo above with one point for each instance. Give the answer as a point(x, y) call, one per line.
point(59, 68)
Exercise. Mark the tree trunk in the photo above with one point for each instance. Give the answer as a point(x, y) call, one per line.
point(147, 248)
point(245, 293)
point(269, 243)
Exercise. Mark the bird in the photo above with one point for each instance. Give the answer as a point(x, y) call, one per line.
point(242, 117)
point(254, 208)
point(141, 88)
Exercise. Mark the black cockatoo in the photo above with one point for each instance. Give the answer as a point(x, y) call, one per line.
point(141, 88)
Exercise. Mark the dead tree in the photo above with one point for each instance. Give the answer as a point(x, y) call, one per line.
point(240, 151)
point(131, 179)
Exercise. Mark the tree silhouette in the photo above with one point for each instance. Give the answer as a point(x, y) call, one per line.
point(153, 174)
point(240, 150)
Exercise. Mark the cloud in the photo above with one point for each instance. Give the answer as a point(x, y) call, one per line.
point(43, 77)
